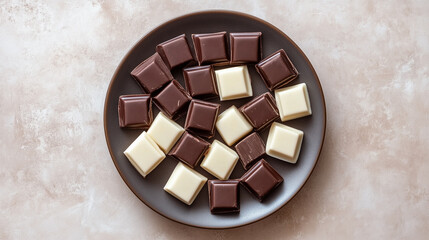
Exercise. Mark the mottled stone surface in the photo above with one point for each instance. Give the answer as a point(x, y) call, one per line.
point(57, 180)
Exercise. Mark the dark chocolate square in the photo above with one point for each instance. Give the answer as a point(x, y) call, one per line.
point(152, 74)
point(135, 111)
point(175, 52)
point(245, 47)
point(261, 111)
point(202, 117)
point(210, 47)
point(199, 82)
point(172, 99)
point(189, 149)
point(261, 179)
point(276, 70)
point(224, 196)
point(250, 149)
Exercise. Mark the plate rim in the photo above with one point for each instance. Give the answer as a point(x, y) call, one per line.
point(241, 14)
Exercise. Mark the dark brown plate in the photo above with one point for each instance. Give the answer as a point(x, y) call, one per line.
point(150, 190)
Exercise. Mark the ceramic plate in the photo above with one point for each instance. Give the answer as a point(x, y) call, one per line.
point(150, 189)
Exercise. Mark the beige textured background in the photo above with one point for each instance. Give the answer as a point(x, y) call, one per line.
point(57, 180)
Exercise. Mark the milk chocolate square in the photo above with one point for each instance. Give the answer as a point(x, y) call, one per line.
point(224, 196)
point(175, 52)
point(276, 70)
point(261, 179)
point(152, 74)
point(260, 111)
point(250, 149)
point(190, 149)
point(172, 100)
point(135, 111)
point(245, 47)
point(199, 82)
point(202, 117)
point(210, 47)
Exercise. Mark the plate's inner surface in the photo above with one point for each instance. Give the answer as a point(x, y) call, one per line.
point(150, 190)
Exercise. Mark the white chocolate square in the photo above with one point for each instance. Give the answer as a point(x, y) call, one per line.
point(220, 160)
point(284, 142)
point(232, 125)
point(165, 132)
point(144, 154)
point(233, 83)
point(293, 102)
point(185, 183)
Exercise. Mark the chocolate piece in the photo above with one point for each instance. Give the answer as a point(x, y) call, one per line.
point(135, 111)
point(261, 111)
point(202, 117)
point(219, 160)
point(245, 47)
point(276, 70)
point(284, 142)
point(199, 81)
point(144, 154)
point(234, 83)
point(261, 179)
point(165, 132)
point(185, 183)
point(175, 51)
point(152, 74)
point(224, 196)
point(232, 125)
point(189, 149)
point(172, 99)
point(250, 149)
point(210, 47)
point(293, 102)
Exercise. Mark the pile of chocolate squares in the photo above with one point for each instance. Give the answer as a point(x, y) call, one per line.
point(221, 71)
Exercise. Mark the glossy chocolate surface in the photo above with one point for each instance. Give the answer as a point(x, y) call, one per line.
point(152, 74)
point(261, 111)
point(224, 196)
point(245, 47)
point(210, 47)
point(189, 149)
point(175, 52)
point(202, 117)
point(261, 179)
point(250, 149)
point(200, 82)
point(135, 111)
point(276, 70)
point(172, 100)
